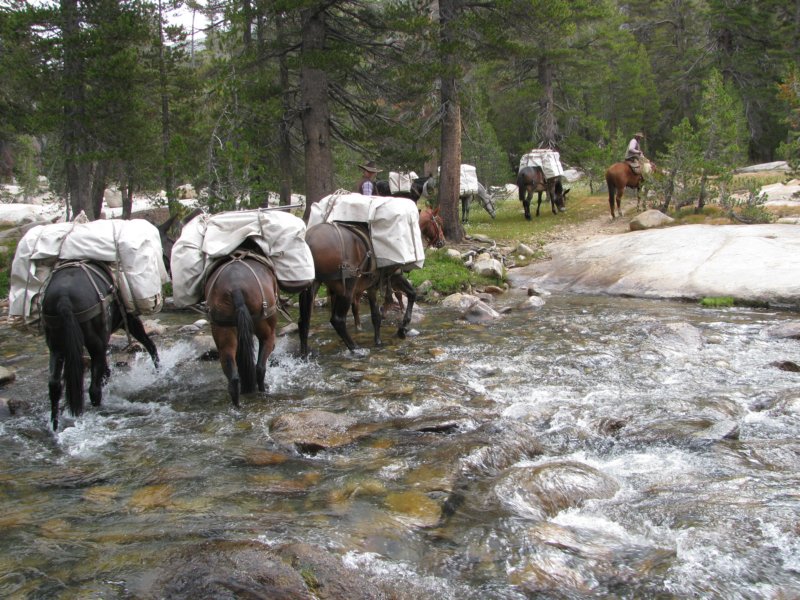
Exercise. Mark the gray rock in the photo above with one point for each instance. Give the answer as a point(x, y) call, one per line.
point(7, 375)
point(488, 267)
point(480, 312)
point(314, 430)
point(686, 262)
point(650, 219)
point(531, 303)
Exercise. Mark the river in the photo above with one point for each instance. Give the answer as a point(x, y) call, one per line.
point(595, 447)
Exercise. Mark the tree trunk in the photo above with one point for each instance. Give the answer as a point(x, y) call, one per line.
point(77, 171)
point(450, 175)
point(166, 136)
point(548, 125)
point(315, 111)
point(285, 141)
point(98, 187)
point(127, 198)
point(701, 201)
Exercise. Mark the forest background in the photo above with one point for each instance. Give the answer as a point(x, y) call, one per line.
point(291, 95)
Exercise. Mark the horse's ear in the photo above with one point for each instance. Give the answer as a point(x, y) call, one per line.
point(436, 212)
point(566, 191)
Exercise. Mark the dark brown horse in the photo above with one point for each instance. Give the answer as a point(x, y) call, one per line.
point(344, 262)
point(81, 308)
point(241, 294)
point(532, 179)
point(432, 230)
point(619, 176)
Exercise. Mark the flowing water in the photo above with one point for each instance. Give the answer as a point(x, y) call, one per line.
point(596, 447)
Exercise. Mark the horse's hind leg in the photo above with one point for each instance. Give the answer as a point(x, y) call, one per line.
point(266, 344)
point(55, 385)
point(306, 301)
point(538, 202)
point(99, 367)
point(340, 305)
point(526, 205)
point(375, 313)
point(225, 339)
point(408, 289)
point(136, 327)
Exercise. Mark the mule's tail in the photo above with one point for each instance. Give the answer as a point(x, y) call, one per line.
point(73, 356)
point(245, 349)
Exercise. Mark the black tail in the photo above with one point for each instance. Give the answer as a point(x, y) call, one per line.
point(245, 359)
point(73, 356)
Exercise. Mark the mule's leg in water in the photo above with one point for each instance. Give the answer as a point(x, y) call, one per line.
point(375, 312)
point(340, 306)
point(306, 301)
point(408, 289)
point(136, 327)
point(225, 339)
point(265, 331)
point(99, 369)
point(55, 385)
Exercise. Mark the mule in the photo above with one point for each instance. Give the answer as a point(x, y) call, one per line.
point(344, 262)
point(421, 187)
point(81, 308)
point(619, 176)
point(532, 179)
point(241, 295)
point(432, 230)
point(485, 198)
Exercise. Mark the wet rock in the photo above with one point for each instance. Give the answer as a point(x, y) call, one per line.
point(190, 329)
point(494, 290)
point(545, 490)
point(480, 312)
point(8, 408)
point(204, 347)
point(326, 576)
point(685, 431)
point(460, 301)
point(224, 571)
point(314, 430)
point(415, 506)
point(790, 329)
point(7, 375)
point(151, 497)
point(531, 303)
point(786, 365)
point(288, 329)
point(153, 327)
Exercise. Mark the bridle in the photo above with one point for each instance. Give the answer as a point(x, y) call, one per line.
point(437, 239)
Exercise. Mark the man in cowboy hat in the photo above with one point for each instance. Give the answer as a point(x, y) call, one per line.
point(367, 184)
point(634, 155)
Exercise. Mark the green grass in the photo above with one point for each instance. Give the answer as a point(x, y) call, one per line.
point(448, 275)
point(510, 226)
point(717, 302)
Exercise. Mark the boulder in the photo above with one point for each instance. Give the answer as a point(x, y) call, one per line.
point(682, 262)
point(650, 219)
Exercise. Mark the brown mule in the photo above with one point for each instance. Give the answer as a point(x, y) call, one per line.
point(344, 262)
point(241, 294)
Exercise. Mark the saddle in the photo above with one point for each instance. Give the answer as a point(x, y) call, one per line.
point(217, 269)
point(368, 267)
point(635, 165)
point(104, 299)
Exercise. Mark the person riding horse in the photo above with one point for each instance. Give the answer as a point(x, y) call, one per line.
point(634, 154)
point(366, 185)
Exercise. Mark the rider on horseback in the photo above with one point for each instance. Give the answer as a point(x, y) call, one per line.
point(634, 155)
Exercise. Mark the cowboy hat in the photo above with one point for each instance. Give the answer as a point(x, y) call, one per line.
point(638, 134)
point(371, 167)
